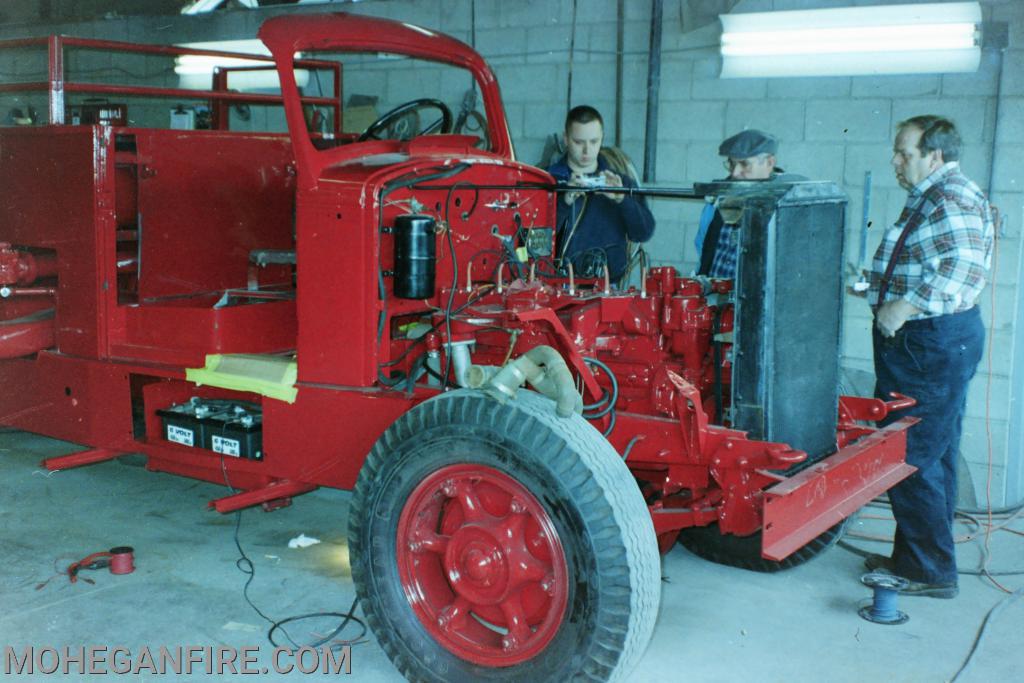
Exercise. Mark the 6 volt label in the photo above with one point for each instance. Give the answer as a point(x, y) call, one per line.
point(227, 446)
point(186, 437)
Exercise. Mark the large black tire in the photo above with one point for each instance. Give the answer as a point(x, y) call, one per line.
point(571, 481)
point(745, 551)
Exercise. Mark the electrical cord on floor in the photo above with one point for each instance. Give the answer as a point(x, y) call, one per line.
point(1008, 510)
point(983, 571)
point(978, 525)
point(346, 618)
point(979, 639)
point(245, 565)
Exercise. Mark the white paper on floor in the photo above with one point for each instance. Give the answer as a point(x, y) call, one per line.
point(302, 541)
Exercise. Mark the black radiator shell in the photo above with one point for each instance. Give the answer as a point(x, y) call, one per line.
point(789, 301)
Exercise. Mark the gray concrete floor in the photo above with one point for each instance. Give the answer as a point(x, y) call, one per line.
point(716, 623)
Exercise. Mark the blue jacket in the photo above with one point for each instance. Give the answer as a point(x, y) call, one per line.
point(603, 226)
point(711, 221)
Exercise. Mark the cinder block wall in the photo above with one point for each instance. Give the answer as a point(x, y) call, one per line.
point(830, 128)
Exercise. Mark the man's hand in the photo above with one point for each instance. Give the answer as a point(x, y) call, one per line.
point(612, 179)
point(891, 316)
point(608, 179)
point(571, 197)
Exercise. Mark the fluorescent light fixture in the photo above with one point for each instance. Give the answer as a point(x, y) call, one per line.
point(201, 6)
point(195, 71)
point(889, 39)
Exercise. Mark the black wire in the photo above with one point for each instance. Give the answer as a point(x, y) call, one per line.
point(629, 446)
point(419, 366)
point(611, 425)
point(504, 186)
point(611, 401)
point(415, 342)
point(408, 180)
point(599, 258)
point(638, 256)
point(999, 606)
point(550, 262)
point(245, 565)
point(383, 300)
point(850, 547)
point(607, 401)
point(599, 403)
point(716, 327)
point(448, 312)
point(393, 381)
point(346, 618)
point(435, 374)
point(476, 199)
point(515, 266)
point(451, 292)
point(433, 328)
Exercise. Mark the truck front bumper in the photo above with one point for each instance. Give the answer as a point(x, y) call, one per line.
point(800, 508)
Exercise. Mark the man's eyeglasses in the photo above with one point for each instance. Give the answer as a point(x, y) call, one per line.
point(743, 164)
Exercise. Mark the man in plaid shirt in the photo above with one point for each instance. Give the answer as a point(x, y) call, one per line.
point(928, 339)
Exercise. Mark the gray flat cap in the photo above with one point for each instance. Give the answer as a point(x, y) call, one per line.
point(748, 143)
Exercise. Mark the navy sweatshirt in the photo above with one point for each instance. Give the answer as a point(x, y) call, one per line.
point(603, 228)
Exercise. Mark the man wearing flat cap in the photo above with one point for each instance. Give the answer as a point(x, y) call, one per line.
point(749, 155)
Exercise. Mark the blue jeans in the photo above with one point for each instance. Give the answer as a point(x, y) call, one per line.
point(933, 361)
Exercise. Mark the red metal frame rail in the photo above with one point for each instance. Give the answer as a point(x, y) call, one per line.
point(57, 85)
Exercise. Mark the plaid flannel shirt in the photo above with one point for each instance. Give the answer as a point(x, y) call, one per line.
point(947, 254)
point(723, 265)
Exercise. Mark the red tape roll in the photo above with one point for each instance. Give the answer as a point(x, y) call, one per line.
point(122, 560)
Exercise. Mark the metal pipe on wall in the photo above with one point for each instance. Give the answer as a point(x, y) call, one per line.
point(653, 86)
point(572, 52)
point(620, 42)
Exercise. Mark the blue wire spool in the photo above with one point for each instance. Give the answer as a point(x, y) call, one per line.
point(882, 609)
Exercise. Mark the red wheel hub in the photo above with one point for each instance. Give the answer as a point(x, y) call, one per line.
point(482, 565)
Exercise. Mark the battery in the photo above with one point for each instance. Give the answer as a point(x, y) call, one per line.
point(182, 423)
point(237, 432)
point(232, 428)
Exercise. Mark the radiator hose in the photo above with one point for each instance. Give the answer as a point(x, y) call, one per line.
point(545, 370)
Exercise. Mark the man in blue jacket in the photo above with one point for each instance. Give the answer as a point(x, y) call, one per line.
point(593, 227)
point(749, 155)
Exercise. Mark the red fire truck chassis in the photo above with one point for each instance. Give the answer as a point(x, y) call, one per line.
point(158, 287)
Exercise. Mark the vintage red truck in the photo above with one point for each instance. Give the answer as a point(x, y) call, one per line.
point(283, 311)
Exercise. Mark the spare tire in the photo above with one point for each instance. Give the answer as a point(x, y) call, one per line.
point(745, 551)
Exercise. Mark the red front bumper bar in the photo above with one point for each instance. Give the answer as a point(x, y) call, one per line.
point(800, 508)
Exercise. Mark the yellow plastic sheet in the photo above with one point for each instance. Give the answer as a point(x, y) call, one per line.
point(272, 376)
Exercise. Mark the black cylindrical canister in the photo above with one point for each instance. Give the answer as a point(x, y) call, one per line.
point(415, 256)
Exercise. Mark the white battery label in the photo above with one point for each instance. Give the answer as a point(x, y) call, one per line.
point(185, 437)
point(227, 446)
